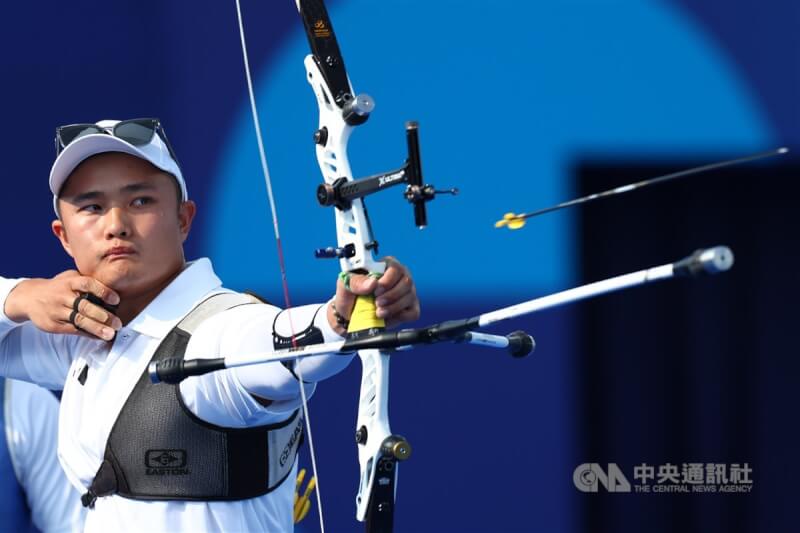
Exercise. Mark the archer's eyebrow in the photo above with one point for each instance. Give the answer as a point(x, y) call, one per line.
point(137, 187)
point(95, 195)
point(83, 197)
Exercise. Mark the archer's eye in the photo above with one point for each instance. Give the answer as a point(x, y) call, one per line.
point(143, 201)
point(91, 208)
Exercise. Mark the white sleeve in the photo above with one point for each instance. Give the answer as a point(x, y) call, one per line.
point(28, 353)
point(32, 429)
point(226, 398)
point(316, 368)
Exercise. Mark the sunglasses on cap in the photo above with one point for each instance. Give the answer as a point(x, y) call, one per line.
point(136, 131)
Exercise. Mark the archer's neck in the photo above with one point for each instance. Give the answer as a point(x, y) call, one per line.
point(134, 302)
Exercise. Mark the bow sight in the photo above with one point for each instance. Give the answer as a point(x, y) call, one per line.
point(342, 192)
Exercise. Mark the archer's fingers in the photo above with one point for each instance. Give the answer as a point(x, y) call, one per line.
point(81, 304)
point(361, 284)
point(63, 327)
point(399, 290)
point(395, 308)
point(90, 285)
point(407, 315)
point(393, 274)
point(98, 314)
point(84, 324)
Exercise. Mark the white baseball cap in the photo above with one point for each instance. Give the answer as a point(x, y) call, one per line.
point(156, 152)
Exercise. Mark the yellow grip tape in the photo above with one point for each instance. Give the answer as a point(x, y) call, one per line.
point(363, 316)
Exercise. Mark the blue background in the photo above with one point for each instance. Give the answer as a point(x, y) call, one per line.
point(512, 98)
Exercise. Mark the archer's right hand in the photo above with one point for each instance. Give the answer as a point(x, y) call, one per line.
point(51, 305)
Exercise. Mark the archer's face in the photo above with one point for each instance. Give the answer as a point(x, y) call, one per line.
point(121, 223)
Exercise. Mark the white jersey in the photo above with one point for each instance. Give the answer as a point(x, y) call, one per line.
point(90, 404)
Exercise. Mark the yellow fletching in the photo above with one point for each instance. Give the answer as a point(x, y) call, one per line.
point(301, 513)
point(302, 504)
point(511, 220)
point(312, 484)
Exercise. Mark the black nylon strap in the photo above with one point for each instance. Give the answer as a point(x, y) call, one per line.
point(100, 302)
point(91, 298)
point(77, 302)
point(75, 311)
point(72, 316)
point(103, 484)
point(310, 335)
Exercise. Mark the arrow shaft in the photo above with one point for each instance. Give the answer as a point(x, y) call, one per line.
point(655, 181)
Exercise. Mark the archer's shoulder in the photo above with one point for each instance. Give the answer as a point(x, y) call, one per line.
point(246, 316)
point(250, 303)
point(246, 326)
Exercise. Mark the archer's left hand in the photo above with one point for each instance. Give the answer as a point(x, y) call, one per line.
point(395, 295)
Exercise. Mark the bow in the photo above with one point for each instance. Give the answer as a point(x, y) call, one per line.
point(340, 110)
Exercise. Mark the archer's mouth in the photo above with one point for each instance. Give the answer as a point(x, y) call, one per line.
point(119, 252)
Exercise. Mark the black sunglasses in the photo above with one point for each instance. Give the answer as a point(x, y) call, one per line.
point(136, 131)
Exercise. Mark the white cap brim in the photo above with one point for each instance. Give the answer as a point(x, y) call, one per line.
point(78, 151)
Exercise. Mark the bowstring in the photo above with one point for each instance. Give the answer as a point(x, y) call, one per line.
point(268, 181)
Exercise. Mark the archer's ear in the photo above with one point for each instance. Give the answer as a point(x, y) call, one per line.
point(186, 213)
point(61, 233)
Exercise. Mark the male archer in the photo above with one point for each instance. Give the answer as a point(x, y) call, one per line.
point(217, 451)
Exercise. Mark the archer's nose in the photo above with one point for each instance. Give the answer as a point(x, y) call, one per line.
point(118, 224)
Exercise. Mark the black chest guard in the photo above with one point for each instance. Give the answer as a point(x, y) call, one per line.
point(159, 450)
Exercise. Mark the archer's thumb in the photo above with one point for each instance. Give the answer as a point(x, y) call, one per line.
point(362, 284)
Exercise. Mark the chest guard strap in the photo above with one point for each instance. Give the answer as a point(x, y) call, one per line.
point(159, 450)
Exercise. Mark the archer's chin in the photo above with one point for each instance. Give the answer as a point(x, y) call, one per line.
point(121, 275)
